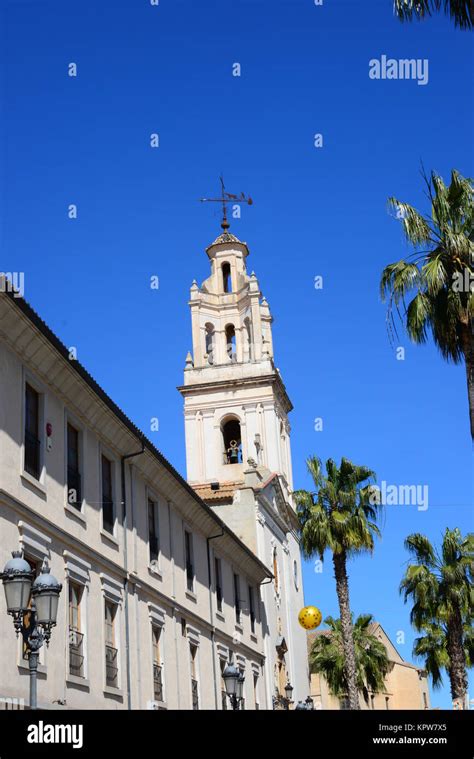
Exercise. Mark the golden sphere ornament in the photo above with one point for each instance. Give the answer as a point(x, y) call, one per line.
point(310, 617)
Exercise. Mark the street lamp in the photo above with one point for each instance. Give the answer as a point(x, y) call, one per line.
point(234, 685)
point(17, 578)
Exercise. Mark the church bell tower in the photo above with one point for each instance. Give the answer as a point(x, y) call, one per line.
point(238, 444)
point(236, 405)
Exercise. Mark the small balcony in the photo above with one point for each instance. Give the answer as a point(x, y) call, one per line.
point(157, 682)
point(111, 667)
point(195, 694)
point(76, 655)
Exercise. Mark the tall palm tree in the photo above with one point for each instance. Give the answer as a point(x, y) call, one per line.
point(432, 647)
point(439, 274)
point(339, 517)
point(372, 664)
point(461, 11)
point(440, 586)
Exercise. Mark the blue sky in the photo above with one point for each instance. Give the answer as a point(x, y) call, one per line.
point(304, 70)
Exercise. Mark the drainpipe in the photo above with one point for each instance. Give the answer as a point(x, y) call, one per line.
point(211, 612)
point(125, 562)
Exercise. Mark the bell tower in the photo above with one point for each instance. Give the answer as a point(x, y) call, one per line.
point(238, 443)
point(235, 403)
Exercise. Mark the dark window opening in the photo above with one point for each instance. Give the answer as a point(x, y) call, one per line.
point(188, 541)
point(232, 442)
point(252, 609)
point(74, 494)
point(238, 608)
point(107, 496)
point(218, 573)
point(32, 442)
point(226, 278)
point(153, 530)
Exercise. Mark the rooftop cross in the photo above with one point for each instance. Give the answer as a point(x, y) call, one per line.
point(227, 197)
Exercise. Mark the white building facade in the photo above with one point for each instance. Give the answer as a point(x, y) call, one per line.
point(147, 614)
point(238, 445)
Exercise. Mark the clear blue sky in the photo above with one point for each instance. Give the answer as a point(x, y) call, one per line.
point(304, 69)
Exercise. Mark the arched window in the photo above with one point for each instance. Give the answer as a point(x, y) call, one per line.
point(248, 336)
point(226, 278)
point(232, 441)
point(230, 342)
point(210, 343)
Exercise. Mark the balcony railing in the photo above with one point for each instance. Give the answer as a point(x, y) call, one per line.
point(76, 655)
point(195, 694)
point(32, 455)
point(74, 494)
point(111, 667)
point(157, 682)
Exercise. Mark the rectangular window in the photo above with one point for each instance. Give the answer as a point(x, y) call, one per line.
point(252, 609)
point(157, 664)
point(188, 543)
point(32, 432)
point(107, 495)
point(194, 677)
point(153, 530)
point(76, 637)
point(218, 578)
point(111, 652)
point(238, 610)
point(74, 492)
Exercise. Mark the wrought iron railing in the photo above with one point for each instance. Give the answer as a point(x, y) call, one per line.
point(157, 682)
point(74, 494)
point(111, 667)
point(195, 694)
point(76, 655)
point(32, 455)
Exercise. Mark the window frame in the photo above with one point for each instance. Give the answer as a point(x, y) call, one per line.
point(30, 380)
point(105, 454)
point(190, 580)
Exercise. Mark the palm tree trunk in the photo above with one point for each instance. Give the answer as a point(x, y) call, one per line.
point(457, 660)
point(467, 342)
point(342, 590)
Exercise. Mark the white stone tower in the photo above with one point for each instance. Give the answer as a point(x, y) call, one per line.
point(238, 444)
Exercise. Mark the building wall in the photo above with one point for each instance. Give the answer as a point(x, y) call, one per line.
point(36, 516)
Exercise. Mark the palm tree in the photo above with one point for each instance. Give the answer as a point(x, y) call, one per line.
point(440, 587)
point(372, 664)
point(432, 647)
point(462, 11)
point(440, 272)
point(339, 517)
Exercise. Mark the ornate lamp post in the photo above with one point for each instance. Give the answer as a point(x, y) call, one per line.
point(283, 702)
point(34, 621)
point(234, 685)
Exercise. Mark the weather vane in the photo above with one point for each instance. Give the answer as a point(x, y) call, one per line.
point(227, 197)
